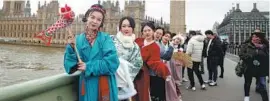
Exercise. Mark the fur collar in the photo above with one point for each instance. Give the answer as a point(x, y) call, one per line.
point(127, 41)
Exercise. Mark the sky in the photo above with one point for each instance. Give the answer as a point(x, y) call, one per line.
point(200, 14)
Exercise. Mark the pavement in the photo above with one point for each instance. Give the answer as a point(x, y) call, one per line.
point(230, 88)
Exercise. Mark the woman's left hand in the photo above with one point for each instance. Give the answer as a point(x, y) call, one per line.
point(81, 66)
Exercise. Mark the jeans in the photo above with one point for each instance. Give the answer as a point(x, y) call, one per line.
point(212, 64)
point(261, 84)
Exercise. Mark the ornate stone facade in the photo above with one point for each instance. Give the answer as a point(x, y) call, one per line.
point(238, 25)
point(21, 25)
point(177, 16)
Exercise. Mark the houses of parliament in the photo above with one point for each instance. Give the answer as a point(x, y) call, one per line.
point(19, 24)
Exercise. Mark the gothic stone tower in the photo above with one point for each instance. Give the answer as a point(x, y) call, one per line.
point(135, 9)
point(12, 7)
point(177, 16)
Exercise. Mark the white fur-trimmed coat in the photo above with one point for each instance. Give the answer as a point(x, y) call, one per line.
point(130, 65)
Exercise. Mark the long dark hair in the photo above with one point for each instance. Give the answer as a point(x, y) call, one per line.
point(130, 20)
point(166, 32)
point(163, 31)
point(149, 24)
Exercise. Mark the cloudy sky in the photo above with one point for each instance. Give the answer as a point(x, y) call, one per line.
point(200, 14)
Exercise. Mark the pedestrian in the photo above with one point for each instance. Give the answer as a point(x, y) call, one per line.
point(94, 54)
point(151, 62)
point(255, 55)
point(195, 49)
point(224, 48)
point(214, 53)
point(183, 69)
point(130, 58)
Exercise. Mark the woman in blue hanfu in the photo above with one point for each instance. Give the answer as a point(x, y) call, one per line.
point(94, 54)
point(129, 57)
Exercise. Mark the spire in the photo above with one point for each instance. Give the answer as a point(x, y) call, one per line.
point(126, 2)
point(38, 4)
point(99, 2)
point(233, 8)
point(254, 8)
point(238, 8)
point(161, 20)
point(27, 9)
point(28, 4)
point(117, 3)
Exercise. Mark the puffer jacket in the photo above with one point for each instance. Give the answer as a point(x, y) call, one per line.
point(250, 54)
point(195, 48)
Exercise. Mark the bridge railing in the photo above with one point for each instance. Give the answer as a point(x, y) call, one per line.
point(55, 88)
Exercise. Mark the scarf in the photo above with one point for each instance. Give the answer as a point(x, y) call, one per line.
point(127, 41)
point(104, 89)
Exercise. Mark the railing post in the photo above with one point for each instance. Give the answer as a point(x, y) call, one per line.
point(237, 52)
point(234, 46)
point(231, 48)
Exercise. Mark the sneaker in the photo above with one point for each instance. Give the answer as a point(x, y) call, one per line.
point(203, 87)
point(213, 84)
point(185, 80)
point(246, 98)
point(208, 81)
point(192, 88)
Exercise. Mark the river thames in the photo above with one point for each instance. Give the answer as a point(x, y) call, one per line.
point(20, 63)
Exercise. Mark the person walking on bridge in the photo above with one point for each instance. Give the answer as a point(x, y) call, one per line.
point(255, 55)
point(214, 53)
point(195, 49)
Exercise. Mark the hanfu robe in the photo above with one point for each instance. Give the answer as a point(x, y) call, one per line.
point(176, 65)
point(166, 52)
point(151, 61)
point(101, 60)
point(130, 65)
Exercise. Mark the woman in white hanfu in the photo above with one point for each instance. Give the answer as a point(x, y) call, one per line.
point(130, 58)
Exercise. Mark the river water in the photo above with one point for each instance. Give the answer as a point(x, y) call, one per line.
point(20, 63)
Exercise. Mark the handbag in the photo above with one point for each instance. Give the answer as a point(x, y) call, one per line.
point(240, 68)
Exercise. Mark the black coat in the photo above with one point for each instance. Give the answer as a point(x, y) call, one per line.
point(249, 53)
point(224, 46)
point(215, 49)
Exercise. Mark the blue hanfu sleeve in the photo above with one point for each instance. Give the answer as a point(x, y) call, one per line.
point(70, 60)
point(109, 62)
